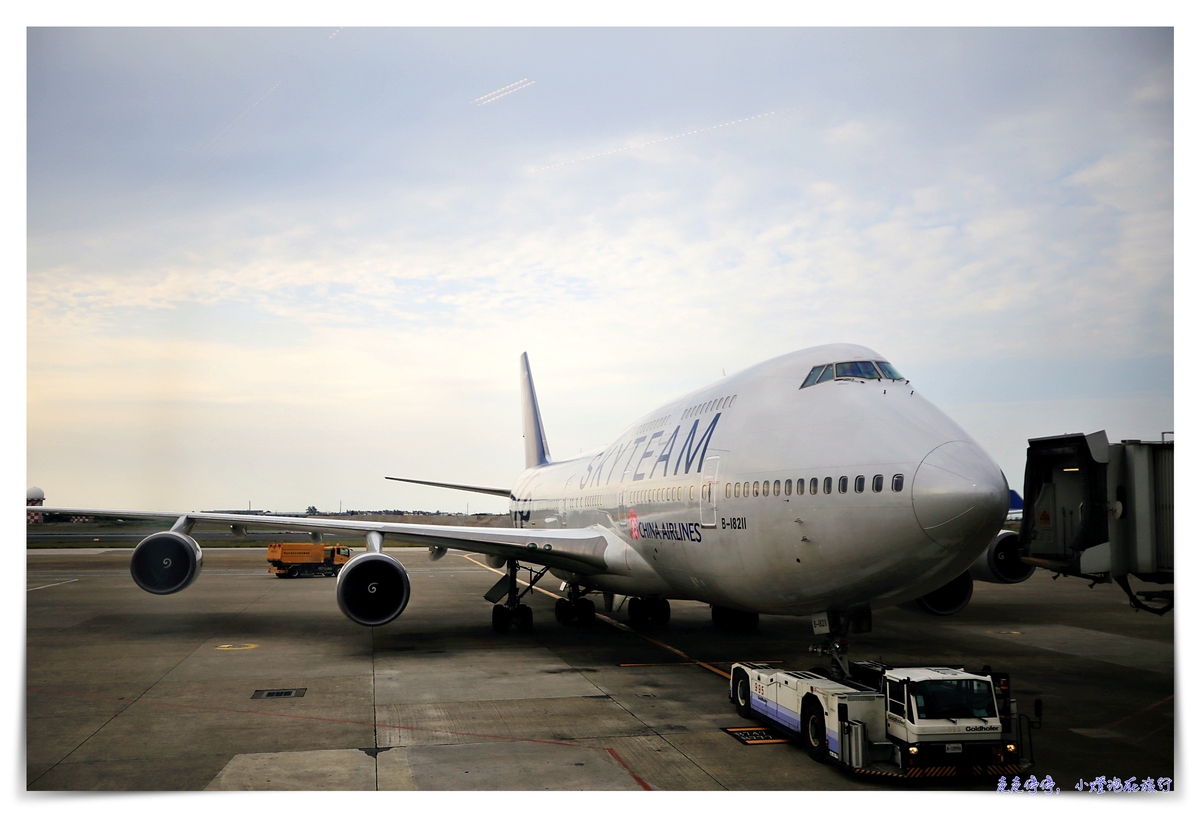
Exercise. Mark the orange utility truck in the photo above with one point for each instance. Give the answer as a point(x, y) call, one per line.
point(294, 560)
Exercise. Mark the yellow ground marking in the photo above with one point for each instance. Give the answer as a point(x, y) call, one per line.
point(616, 624)
point(236, 647)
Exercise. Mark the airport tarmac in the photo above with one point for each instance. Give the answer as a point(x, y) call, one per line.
point(130, 691)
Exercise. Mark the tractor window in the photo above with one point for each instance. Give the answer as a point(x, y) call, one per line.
point(954, 698)
point(895, 692)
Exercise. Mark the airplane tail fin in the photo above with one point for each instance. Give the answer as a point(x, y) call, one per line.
point(536, 451)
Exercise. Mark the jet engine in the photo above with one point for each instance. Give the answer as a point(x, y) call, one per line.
point(950, 598)
point(165, 563)
point(1001, 562)
point(372, 589)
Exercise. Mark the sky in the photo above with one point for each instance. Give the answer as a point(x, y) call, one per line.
point(269, 266)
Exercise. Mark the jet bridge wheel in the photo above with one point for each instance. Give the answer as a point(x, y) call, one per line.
point(741, 694)
point(812, 729)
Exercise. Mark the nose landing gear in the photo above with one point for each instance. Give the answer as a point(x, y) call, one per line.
point(836, 645)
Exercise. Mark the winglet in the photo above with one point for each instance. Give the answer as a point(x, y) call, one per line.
point(536, 451)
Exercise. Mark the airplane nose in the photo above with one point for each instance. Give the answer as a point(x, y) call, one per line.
point(957, 492)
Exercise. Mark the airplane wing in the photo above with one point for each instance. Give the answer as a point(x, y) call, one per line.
point(577, 550)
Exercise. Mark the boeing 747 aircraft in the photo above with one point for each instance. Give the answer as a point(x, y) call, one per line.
point(816, 483)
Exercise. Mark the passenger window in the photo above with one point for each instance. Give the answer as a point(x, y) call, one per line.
point(728, 490)
point(787, 487)
point(737, 489)
point(812, 486)
point(860, 483)
point(877, 483)
point(776, 488)
point(746, 489)
point(829, 485)
point(843, 484)
point(898, 483)
point(692, 492)
point(756, 487)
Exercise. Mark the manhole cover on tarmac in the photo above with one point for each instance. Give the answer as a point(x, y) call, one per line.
point(755, 735)
point(279, 693)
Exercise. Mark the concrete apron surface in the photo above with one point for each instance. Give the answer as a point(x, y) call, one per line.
point(130, 691)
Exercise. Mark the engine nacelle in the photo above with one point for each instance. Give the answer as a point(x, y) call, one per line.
point(165, 563)
point(950, 598)
point(1001, 562)
point(372, 589)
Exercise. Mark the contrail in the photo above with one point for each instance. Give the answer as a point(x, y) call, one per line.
point(238, 118)
point(505, 91)
point(656, 141)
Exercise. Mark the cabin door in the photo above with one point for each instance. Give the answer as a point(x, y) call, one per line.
point(708, 492)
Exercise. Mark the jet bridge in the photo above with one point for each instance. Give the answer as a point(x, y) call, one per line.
point(1103, 511)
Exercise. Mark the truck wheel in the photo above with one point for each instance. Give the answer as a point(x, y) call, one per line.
point(293, 572)
point(741, 694)
point(501, 618)
point(524, 618)
point(812, 730)
point(281, 575)
point(337, 570)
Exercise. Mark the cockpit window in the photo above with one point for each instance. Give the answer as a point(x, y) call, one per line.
point(861, 369)
point(889, 371)
point(857, 368)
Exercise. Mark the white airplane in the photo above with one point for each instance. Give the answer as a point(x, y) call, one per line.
point(816, 483)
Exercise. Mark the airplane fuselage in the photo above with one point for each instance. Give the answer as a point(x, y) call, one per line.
point(756, 493)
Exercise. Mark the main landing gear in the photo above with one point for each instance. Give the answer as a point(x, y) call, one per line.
point(511, 611)
point(575, 608)
point(649, 611)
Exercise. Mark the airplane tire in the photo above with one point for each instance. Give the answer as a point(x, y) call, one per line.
point(660, 612)
point(585, 612)
point(501, 618)
point(638, 612)
point(524, 618)
point(741, 694)
point(563, 611)
point(812, 730)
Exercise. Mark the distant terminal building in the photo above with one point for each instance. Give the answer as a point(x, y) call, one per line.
point(34, 497)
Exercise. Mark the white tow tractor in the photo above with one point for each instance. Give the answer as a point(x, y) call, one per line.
point(896, 721)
